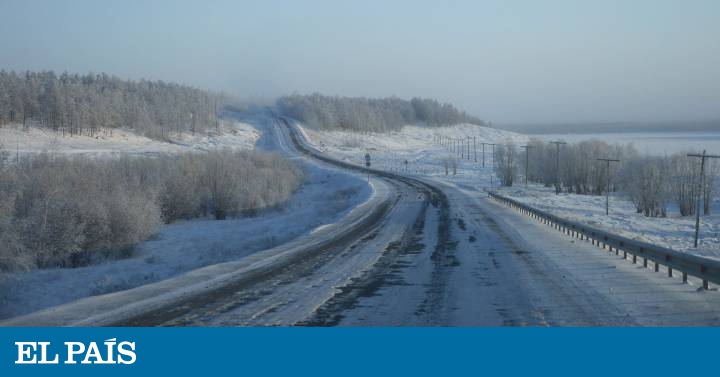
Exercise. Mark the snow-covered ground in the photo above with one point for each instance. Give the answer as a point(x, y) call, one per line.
point(231, 134)
point(424, 156)
point(412, 143)
point(673, 231)
point(327, 196)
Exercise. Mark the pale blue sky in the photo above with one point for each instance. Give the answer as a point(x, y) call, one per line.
point(507, 61)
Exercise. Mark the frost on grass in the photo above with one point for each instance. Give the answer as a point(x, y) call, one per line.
point(62, 211)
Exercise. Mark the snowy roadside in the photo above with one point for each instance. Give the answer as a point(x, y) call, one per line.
point(425, 158)
point(674, 231)
point(181, 247)
point(415, 144)
point(326, 197)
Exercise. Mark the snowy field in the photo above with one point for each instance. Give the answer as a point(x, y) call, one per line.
point(413, 143)
point(416, 145)
point(327, 195)
point(654, 143)
point(107, 143)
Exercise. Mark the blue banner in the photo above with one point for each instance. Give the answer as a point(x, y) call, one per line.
point(354, 351)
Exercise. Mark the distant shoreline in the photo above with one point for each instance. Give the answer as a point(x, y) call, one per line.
point(615, 127)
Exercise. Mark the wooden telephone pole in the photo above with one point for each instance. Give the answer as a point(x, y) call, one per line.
point(483, 153)
point(475, 147)
point(702, 157)
point(557, 165)
point(468, 148)
point(607, 189)
point(492, 173)
point(527, 160)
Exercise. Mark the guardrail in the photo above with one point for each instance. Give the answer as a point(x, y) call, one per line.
point(705, 269)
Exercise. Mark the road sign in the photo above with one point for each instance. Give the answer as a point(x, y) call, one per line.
point(367, 159)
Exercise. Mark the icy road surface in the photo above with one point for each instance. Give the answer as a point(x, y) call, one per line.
point(422, 252)
point(448, 256)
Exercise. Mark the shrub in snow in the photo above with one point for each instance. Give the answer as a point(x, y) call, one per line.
point(506, 164)
point(67, 212)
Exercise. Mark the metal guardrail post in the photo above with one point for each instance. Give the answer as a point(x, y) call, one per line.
point(707, 270)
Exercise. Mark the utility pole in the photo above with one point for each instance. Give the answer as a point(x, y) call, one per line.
point(557, 165)
point(475, 147)
point(492, 173)
point(527, 160)
point(607, 189)
point(702, 157)
point(483, 145)
point(483, 153)
point(468, 148)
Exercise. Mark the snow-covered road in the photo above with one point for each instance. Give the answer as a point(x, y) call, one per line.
point(510, 270)
point(446, 255)
point(424, 251)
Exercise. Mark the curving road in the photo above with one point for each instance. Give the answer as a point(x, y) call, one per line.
point(445, 255)
point(419, 253)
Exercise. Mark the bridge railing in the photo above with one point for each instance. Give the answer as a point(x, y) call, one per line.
point(705, 269)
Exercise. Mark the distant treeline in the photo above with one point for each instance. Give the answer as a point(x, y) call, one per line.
point(368, 114)
point(83, 104)
point(651, 183)
point(580, 128)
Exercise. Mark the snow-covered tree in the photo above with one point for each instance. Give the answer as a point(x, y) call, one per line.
point(84, 104)
point(506, 163)
point(369, 115)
